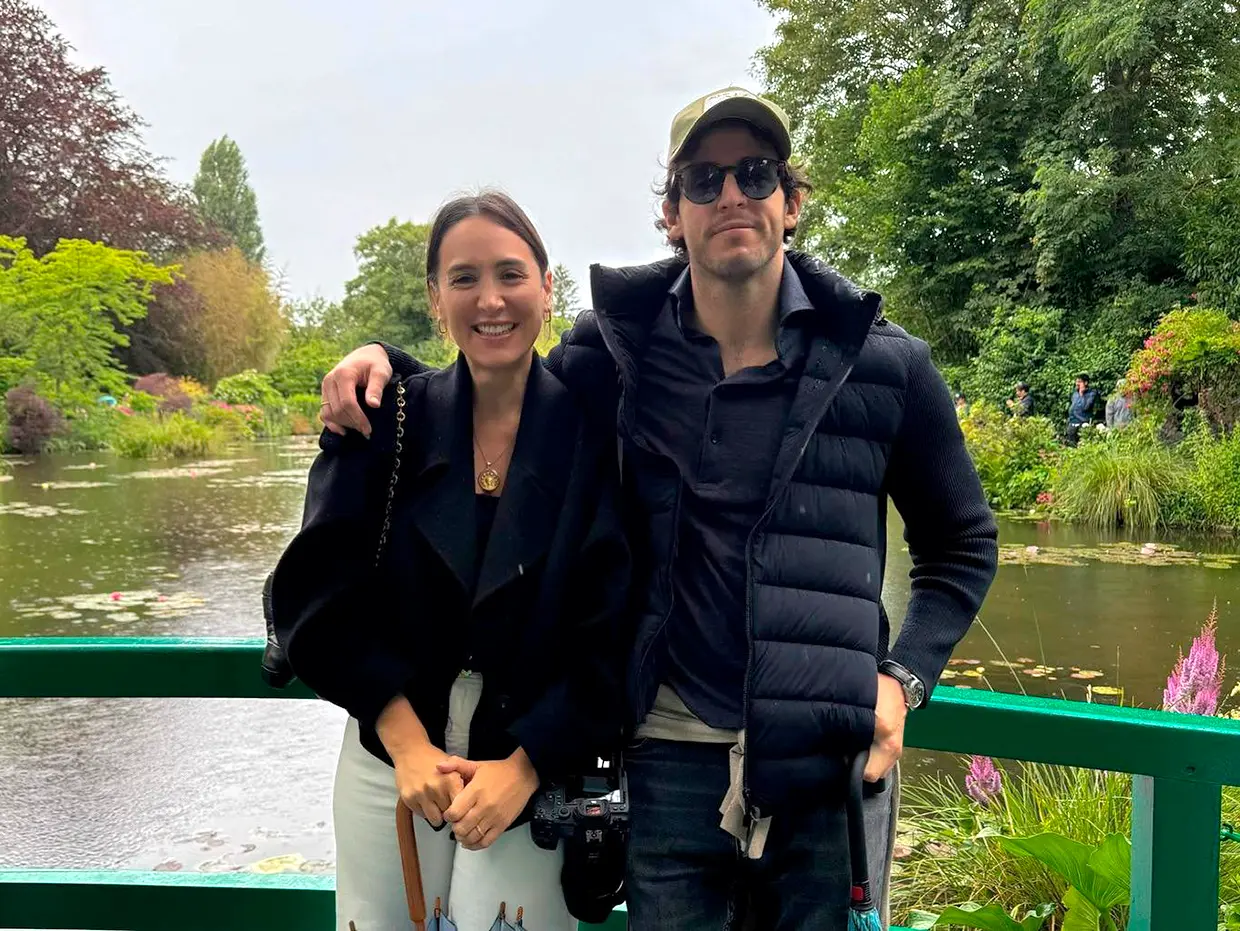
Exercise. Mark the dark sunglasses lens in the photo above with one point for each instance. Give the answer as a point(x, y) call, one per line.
point(702, 183)
point(757, 177)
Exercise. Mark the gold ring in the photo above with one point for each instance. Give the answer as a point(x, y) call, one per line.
point(326, 404)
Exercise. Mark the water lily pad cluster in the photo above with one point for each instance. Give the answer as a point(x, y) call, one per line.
point(23, 509)
point(63, 485)
point(292, 477)
point(1124, 553)
point(966, 668)
point(180, 472)
point(113, 608)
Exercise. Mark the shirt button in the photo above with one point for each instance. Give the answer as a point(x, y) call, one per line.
point(714, 439)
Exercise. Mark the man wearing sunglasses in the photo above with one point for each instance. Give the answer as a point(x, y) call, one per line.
point(766, 412)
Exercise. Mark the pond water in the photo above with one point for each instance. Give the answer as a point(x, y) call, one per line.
point(91, 545)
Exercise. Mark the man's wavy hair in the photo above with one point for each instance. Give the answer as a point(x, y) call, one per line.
point(792, 177)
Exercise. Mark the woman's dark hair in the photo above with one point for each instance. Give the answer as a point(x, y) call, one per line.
point(792, 178)
point(493, 205)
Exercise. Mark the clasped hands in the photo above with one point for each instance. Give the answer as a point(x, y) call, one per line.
point(479, 799)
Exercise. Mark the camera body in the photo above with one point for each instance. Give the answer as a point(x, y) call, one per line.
point(591, 815)
point(590, 809)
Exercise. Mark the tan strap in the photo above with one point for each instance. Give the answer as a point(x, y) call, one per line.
point(410, 865)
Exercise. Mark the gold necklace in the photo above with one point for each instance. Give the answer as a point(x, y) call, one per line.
point(488, 478)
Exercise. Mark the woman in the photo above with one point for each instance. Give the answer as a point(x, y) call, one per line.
point(453, 636)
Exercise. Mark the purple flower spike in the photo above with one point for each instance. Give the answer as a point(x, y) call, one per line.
point(983, 783)
point(1196, 682)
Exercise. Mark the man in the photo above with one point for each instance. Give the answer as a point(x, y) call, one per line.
point(1022, 404)
point(1119, 406)
point(1080, 408)
point(766, 412)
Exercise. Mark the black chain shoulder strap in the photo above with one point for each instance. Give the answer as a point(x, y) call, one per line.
point(399, 448)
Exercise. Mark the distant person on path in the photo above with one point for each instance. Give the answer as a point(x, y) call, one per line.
point(1119, 406)
point(962, 405)
point(1081, 408)
point(767, 412)
point(1022, 404)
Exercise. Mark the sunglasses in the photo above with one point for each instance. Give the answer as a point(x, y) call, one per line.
point(757, 178)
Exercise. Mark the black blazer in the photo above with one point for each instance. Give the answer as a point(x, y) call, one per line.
point(544, 618)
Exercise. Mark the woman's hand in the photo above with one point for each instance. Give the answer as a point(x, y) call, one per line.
point(495, 792)
point(425, 789)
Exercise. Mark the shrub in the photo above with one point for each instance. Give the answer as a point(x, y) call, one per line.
point(13, 372)
point(1013, 455)
point(32, 420)
point(88, 428)
point(1193, 354)
point(249, 387)
point(167, 389)
point(300, 369)
point(140, 402)
point(303, 414)
point(140, 437)
point(1120, 478)
point(1215, 472)
point(237, 422)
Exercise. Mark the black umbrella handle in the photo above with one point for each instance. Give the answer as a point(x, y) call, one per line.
point(855, 810)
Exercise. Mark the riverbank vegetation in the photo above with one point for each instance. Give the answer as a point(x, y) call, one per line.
point(965, 837)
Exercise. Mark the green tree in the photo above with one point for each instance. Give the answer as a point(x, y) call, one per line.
point(979, 161)
point(565, 301)
point(387, 299)
point(61, 312)
point(226, 200)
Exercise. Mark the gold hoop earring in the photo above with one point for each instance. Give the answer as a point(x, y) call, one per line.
point(441, 328)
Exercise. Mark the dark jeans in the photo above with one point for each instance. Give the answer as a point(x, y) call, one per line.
point(686, 873)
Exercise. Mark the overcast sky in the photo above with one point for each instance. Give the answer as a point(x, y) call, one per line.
point(350, 113)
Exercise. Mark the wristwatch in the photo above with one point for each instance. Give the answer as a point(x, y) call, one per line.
point(914, 690)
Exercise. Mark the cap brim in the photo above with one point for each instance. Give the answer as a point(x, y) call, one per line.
point(750, 111)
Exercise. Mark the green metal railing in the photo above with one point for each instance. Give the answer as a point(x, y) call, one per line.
point(1179, 764)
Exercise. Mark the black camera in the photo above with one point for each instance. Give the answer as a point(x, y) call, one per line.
point(590, 813)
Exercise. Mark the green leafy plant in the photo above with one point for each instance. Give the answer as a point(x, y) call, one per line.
point(1013, 455)
point(248, 387)
point(1097, 886)
point(1119, 478)
point(141, 437)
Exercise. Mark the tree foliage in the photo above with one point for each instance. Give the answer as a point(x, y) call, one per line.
point(72, 162)
point(240, 325)
point(64, 312)
point(387, 298)
point(565, 301)
point(226, 200)
point(994, 162)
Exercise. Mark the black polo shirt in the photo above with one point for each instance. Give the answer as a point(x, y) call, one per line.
point(724, 435)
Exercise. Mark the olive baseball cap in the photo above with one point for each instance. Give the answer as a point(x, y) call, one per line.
point(730, 103)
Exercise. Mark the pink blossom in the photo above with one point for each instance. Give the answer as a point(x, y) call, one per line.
point(983, 783)
point(1197, 680)
point(115, 596)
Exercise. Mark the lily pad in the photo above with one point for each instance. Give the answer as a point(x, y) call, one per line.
point(287, 862)
point(1087, 674)
point(60, 486)
point(179, 472)
point(86, 467)
point(214, 463)
point(22, 509)
point(5, 478)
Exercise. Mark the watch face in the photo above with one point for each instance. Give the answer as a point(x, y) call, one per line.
point(917, 693)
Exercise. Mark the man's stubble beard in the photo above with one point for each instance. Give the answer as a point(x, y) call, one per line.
point(738, 269)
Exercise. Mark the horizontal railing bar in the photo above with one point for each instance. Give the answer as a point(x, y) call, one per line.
point(1190, 748)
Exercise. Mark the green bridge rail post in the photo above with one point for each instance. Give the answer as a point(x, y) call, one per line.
point(1175, 855)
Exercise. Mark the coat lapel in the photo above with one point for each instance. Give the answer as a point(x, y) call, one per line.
point(443, 504)
point(533, 492)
